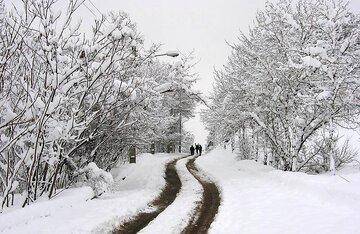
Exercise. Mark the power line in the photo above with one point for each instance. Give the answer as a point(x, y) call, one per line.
point(99, 11)
point(95, 7)
point(89, 9)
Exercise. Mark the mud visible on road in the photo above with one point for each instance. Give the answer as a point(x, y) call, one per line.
point(206, 211)
point(166, 197)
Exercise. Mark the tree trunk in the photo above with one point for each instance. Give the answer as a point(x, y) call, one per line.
point(54, 179)
point(332, 148)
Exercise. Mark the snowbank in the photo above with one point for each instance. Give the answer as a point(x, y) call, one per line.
point(260, 199)
point(72, 211)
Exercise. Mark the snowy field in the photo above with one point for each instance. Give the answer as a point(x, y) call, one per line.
point(259, 199)
point(72, 211)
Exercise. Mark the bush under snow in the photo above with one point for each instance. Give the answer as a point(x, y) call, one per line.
point(98, 179)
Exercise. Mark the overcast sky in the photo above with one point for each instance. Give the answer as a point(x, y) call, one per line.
point(202, 26)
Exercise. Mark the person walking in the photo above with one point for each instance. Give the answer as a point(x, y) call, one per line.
point(192, 150)
point(200, 149)
point(197, 148)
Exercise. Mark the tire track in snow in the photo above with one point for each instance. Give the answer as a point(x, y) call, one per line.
point(206, 211)
point(176, 217)
point(166, 197)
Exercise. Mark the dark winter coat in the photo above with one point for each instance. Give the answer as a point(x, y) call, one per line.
point(192, 150)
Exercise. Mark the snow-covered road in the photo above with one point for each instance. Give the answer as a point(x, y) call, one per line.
point(191, 211)
point(177, 216)
point(254, 199)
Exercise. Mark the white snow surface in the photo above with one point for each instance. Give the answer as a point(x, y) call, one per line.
point(260, 199)
point(311, 62)
point(254, 199)
point(73, 211)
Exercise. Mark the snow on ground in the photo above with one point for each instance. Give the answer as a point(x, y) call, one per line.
point(255, 199)
point(260, 199)
point(176, 216)
point(72, 211)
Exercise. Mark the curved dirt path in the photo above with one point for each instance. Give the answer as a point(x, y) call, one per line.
point(204, 214)
point(176, 217)
point(166, 197)
point(206, 211)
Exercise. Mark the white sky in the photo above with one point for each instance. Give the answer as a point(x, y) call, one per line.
point(202, 26)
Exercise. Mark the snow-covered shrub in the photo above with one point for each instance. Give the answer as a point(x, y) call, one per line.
point(345, 155)
point(99, 180)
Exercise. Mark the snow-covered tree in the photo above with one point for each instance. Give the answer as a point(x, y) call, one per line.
point(68, 100)
point(296, 76)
